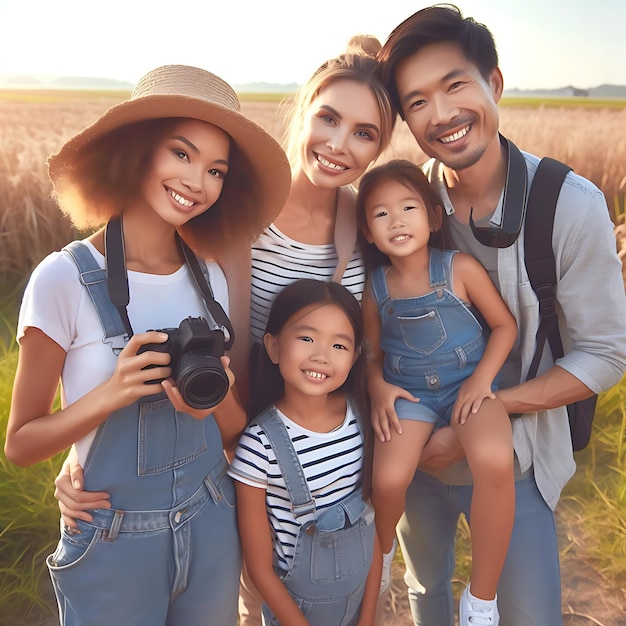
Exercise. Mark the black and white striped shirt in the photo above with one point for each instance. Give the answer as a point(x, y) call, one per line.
point(332, 464)
point(277, 261)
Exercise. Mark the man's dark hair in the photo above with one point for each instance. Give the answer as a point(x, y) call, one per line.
point(440, 23)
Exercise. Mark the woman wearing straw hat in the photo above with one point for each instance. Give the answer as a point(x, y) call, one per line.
point(174, 170)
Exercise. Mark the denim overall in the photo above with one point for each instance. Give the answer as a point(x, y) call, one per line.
point(333, 549)
point(167, 552)
point(432, 343)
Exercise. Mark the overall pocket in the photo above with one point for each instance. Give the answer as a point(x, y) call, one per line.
point(344, 553)
point(167, 439)
point(73, 547)
point(423, 332)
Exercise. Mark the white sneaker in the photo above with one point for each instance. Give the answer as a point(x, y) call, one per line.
point(476, 612)
point(385, 578)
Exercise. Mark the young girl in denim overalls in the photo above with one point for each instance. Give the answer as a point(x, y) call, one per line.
point(175, 169)
point(307, 533)
point(431, 366)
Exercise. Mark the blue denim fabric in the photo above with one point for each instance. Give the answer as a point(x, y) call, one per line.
point(431, 343)
point(147, 565)
point(529, 591)
point(334, 548)
point(167, 552)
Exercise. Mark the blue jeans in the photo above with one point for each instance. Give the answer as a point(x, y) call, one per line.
point(529, 591)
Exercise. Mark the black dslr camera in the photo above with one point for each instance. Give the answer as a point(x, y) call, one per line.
point(195, 348)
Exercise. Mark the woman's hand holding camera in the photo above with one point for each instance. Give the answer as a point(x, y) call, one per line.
point(130, 379)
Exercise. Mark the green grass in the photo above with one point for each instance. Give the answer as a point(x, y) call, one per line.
point(597, 493)
point(29, 519)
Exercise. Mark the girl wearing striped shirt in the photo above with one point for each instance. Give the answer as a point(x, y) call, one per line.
point(307, 533)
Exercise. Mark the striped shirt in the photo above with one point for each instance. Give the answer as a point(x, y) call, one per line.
point(277, 261)
point(332, 464)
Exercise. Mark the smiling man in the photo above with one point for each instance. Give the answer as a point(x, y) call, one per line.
point(442, 72)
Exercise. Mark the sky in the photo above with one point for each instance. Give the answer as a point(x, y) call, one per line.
point(541, 43)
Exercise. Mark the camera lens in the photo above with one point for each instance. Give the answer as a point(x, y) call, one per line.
point(202, 381)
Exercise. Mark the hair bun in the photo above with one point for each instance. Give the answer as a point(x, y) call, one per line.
point(364, 44)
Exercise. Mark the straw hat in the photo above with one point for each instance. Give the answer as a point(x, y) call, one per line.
point(185, 91)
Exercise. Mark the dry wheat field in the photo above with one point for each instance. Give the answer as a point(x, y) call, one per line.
point(592, 141)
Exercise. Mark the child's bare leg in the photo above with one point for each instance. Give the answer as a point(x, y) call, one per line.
point(488, 443)
point(395, 462)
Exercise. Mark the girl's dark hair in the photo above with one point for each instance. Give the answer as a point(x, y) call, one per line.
point(442, 23)
point(291, 299)
point(409, 175)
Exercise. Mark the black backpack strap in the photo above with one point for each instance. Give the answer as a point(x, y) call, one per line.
point(539, 256)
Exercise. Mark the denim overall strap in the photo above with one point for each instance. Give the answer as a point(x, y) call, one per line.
point(302, 503)
point(439, 270)
point(93, 277)
point(379, 286)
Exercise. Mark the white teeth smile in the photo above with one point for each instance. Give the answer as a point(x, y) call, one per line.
point(456, 136)
point(400, 238)
point(332, 166)
point(180, 199)
point(316, 375)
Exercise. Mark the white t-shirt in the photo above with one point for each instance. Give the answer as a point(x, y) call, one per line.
point(277, 261)
point(58, 304)
point(332, 464)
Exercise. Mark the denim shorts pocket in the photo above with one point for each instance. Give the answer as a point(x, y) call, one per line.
point(423, 332)
point(74, 547)
point(167, 439)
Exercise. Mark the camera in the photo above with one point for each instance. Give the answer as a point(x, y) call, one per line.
point(195, 348)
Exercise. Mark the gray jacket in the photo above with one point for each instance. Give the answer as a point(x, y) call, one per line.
point(592, 318)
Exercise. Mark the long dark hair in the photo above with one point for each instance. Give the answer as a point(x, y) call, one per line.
point(293, 298)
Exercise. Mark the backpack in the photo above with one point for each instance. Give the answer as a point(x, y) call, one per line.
point(541, 269)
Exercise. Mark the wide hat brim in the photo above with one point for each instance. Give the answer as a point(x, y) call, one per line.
point(218, 105)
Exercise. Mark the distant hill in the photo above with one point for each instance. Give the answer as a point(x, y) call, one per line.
point(15, 81)
point(266, 88)
point(9, 81)
point(602, 91)
point(88, 82)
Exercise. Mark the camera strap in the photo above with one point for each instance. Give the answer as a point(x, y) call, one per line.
point(214, 307)
point(513, 203)
point(117, 279)
point(115, 264)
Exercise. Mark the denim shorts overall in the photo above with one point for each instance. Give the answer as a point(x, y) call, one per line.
point(167, 552)
point(333, 551)
point(432, 343)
